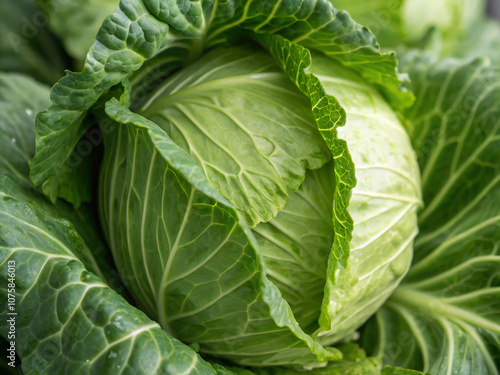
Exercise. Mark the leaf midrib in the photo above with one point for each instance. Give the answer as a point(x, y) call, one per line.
point(416, 299)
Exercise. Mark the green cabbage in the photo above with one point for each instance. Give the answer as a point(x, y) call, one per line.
point(236, 126)
point(274, 197)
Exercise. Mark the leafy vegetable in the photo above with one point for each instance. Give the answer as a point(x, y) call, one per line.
point(261, 171)
point(156, 221)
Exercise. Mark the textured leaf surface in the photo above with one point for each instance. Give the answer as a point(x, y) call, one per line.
point(17, 146)
point(186, 254)
point(137, 31)
point(318, 25)
point(445, 319)
point(126, 39)
point(68, 320)
point(239, 116)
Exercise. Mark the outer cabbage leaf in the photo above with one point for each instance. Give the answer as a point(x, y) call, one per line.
point(67, 320)
point(17, 140)
point(137, 31)
point(445, 317)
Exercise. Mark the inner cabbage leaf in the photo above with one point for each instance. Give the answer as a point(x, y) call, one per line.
point(383, 205)
point(297, 243)
point(251, 130)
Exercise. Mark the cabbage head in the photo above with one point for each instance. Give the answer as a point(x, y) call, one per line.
point(218, 198)
point(257, 189)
